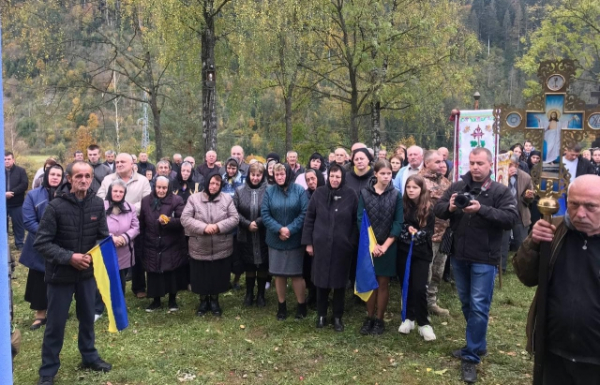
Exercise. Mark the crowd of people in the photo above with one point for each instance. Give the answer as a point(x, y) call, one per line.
point(177, 226)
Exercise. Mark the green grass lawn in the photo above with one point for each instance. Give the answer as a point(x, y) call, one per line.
point(249, 346)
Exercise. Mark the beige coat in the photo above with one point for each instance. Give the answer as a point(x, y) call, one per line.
point(137, 188)
point(198, 214)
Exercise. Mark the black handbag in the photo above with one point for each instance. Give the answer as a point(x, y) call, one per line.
point(446, 244)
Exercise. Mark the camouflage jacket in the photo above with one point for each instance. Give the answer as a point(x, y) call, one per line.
point(437, 185)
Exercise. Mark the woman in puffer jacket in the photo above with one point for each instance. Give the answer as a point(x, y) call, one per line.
point(209, 219)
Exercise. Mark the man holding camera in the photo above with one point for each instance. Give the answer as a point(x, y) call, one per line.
point(479, 210)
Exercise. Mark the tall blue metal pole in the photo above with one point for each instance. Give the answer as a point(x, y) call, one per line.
point(5, 350)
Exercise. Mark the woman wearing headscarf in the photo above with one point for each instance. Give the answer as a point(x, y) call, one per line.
point(124, 227)
point(39, 175)
point(184, 185)
point(314, 180)
point(283, 210)
point(232, 177)
point(33, 209)
point(164, 254)
point(316, 162)
point(331, 238)
point(252, 247)
point(361, 172)
point(209, 219)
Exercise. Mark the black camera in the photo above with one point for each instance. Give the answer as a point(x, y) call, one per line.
point(463, 200)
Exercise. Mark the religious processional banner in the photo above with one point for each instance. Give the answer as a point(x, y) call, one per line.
point(473, 129)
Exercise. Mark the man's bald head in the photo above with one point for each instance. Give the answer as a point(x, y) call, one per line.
point(237, 152)
point(357, 145)
point(443, 151)
point(583, 204)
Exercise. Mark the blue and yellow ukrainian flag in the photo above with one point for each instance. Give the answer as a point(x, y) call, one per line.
point(366, 281)
point(108, 280)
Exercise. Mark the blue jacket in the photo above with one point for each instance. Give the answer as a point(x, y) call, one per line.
point(284, 209)
point(33, 208)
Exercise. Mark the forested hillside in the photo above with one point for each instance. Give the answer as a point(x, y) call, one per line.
point(274, 74)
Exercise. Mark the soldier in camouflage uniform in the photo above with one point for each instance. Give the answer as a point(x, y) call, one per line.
point(437, 184)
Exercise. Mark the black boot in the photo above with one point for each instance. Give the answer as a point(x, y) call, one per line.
point(249, 298)
point(311, 300)
point(214, 306)
point(338, 325)
point(260, 296)
point(203, 308)
point(282, 311)
point(321, 322)
point(301, 311)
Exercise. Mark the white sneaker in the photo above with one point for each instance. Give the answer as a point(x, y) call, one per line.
point(97, 317)
point(406, 326)
point(427, 332)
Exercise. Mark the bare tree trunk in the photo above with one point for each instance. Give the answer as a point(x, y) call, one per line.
point(209, 81)
point(376, 125)
point(156, 124)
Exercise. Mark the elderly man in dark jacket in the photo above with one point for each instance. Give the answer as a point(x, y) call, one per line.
point(572, 311)
point(476, 248)
point(70, 227)
point(16, 185)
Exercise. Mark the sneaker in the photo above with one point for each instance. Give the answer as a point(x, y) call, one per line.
point(458, 353)
point(378, 327)
point(367, 326)
point(267, 285)
point(469, 372)
point(97, 366)
point(173, 307)
point(439, 311)
point(97, 317)
point(153, 306)
point(406, 327)
point(427, 332)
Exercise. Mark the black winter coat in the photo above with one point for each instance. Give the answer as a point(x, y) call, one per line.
point(69, 226)
point(17, 182)
point(165, 246)
point(478, 237)
point(252, 246)
point(357, 183)
point(330, 227)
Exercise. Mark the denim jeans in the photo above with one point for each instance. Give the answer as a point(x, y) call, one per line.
point(475, 286)
point(16, 215)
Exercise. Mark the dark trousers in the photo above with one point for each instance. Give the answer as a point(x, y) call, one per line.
point(138, 275)
point(323, 302)
point(99, 304)
point(59, 301)
point(16, 216)
point(416, 307)
point(561, 371)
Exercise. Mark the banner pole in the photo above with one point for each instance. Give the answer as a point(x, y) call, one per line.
point(5, 305)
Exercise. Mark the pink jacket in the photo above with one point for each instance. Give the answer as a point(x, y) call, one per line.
point(198, 214)
point(124, 223)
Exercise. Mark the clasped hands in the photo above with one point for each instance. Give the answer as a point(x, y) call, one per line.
point(284, 233)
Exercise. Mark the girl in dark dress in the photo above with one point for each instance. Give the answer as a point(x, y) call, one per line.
point(383, 204)
point(418, 227)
